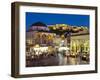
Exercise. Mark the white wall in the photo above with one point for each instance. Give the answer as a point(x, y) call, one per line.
point(5, 43)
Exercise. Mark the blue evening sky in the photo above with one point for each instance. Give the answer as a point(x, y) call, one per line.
point(52, 19)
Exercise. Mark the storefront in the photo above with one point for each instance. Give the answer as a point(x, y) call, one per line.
point(79, 44)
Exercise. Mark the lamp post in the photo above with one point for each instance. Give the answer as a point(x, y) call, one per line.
point(68, 36)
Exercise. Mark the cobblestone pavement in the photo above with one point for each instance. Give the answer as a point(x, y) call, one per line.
point(56, 61)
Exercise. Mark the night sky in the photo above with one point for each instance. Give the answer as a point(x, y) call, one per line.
point(52, 19)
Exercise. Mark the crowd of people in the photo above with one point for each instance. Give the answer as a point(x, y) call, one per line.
point(44, 56)
point(41, 58)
